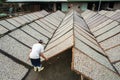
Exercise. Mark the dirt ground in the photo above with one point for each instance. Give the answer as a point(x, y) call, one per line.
point(56, 68)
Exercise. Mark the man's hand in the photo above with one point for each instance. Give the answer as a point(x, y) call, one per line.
point(46, 59)
point(42, 55)
point(28, 59)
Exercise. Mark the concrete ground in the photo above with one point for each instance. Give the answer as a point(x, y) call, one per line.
point(56, 68)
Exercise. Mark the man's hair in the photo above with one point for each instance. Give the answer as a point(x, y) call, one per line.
point(41, 41)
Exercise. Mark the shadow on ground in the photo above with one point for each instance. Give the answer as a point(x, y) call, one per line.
point(56, 68)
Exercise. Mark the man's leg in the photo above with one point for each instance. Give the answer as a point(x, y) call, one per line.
point(40, 68)
point(35, 68)
point(33, 61)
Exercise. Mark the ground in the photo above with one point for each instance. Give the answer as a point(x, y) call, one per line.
point(56, 68)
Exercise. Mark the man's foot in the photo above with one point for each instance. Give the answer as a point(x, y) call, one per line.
point(40, 69)
point(35, 68)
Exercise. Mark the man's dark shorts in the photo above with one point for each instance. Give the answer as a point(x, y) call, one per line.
point(36, 62)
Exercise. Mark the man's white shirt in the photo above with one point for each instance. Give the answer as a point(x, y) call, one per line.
point(36, 50)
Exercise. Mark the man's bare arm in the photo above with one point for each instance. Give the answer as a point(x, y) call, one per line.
point(29, 55)
point(42, 55)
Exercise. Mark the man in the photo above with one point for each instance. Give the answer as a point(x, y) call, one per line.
point(34, 56)
point(11, 11)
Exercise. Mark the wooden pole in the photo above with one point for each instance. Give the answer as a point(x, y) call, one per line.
point(54, 7)
point(82, 77)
